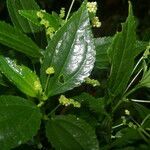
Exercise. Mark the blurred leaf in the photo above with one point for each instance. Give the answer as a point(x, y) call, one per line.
point(72, 54)
point(19, 121)
point(19, 22)
point(13, 38)
point(71, 133)
point(26, 80)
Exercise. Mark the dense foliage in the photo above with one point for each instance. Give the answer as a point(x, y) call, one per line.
point(61, 88)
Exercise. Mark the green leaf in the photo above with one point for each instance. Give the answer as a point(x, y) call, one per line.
point(122, 54)
point(71, 133)
point(19, 121)
point(18, 21)
point(101, 46)
point(25, 80)
point(31, 15)
point(13, 38)
point(72, 54)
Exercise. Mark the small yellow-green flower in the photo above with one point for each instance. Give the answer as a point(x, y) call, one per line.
point(40, 14)
point(62, 13)
point(92, 7)
point(92, 82)
point(37, 86)
point(66, 102)
point(50, 70)
point(96, 22)
point(50, 31)
point(45, 23)
point(127, 112)
point(130, 124)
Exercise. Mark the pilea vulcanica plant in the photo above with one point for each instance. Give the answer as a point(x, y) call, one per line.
point(63, 89)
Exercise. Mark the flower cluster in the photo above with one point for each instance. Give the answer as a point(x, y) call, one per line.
point(127, 112)
point(49, 30)
point(125, 122)
point(66, 102)
point(96, 22)
point(92, 82)
point(62, 13)
point(50, 70)
point(92, 9)
point(45, 23)
point(37, 86)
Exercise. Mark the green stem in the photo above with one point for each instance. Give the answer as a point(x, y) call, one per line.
point(118, 104)
point(140, 101)
point(133, 80)
point(54, 110)
point(137, 64)
point(46, 85)
point(145, 119)
point(119, 125)
point(68, 14)
point(131, 91)
point(140, 127)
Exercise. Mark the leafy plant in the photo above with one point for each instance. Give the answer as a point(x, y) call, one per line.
point(45, 99)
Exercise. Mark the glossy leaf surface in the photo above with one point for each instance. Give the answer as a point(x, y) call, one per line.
point(72, 54)
point(13, 38)
point(20, 22)
point(71, 133)
point(19, 121)
point(25, 80)
point(122, 54)
point(31, 15)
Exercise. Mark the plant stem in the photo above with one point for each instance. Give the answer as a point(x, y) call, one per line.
point(133, 80)
point(68, 14)
point(140, 127)
point(140, 101)
point(118, 104)
point(145, 119)
point(54, 110)
point(119, 125)
point(131, 91)
point(137, 65)
point(46, 83)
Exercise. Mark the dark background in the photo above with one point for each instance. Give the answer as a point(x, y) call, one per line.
point(110, 12)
